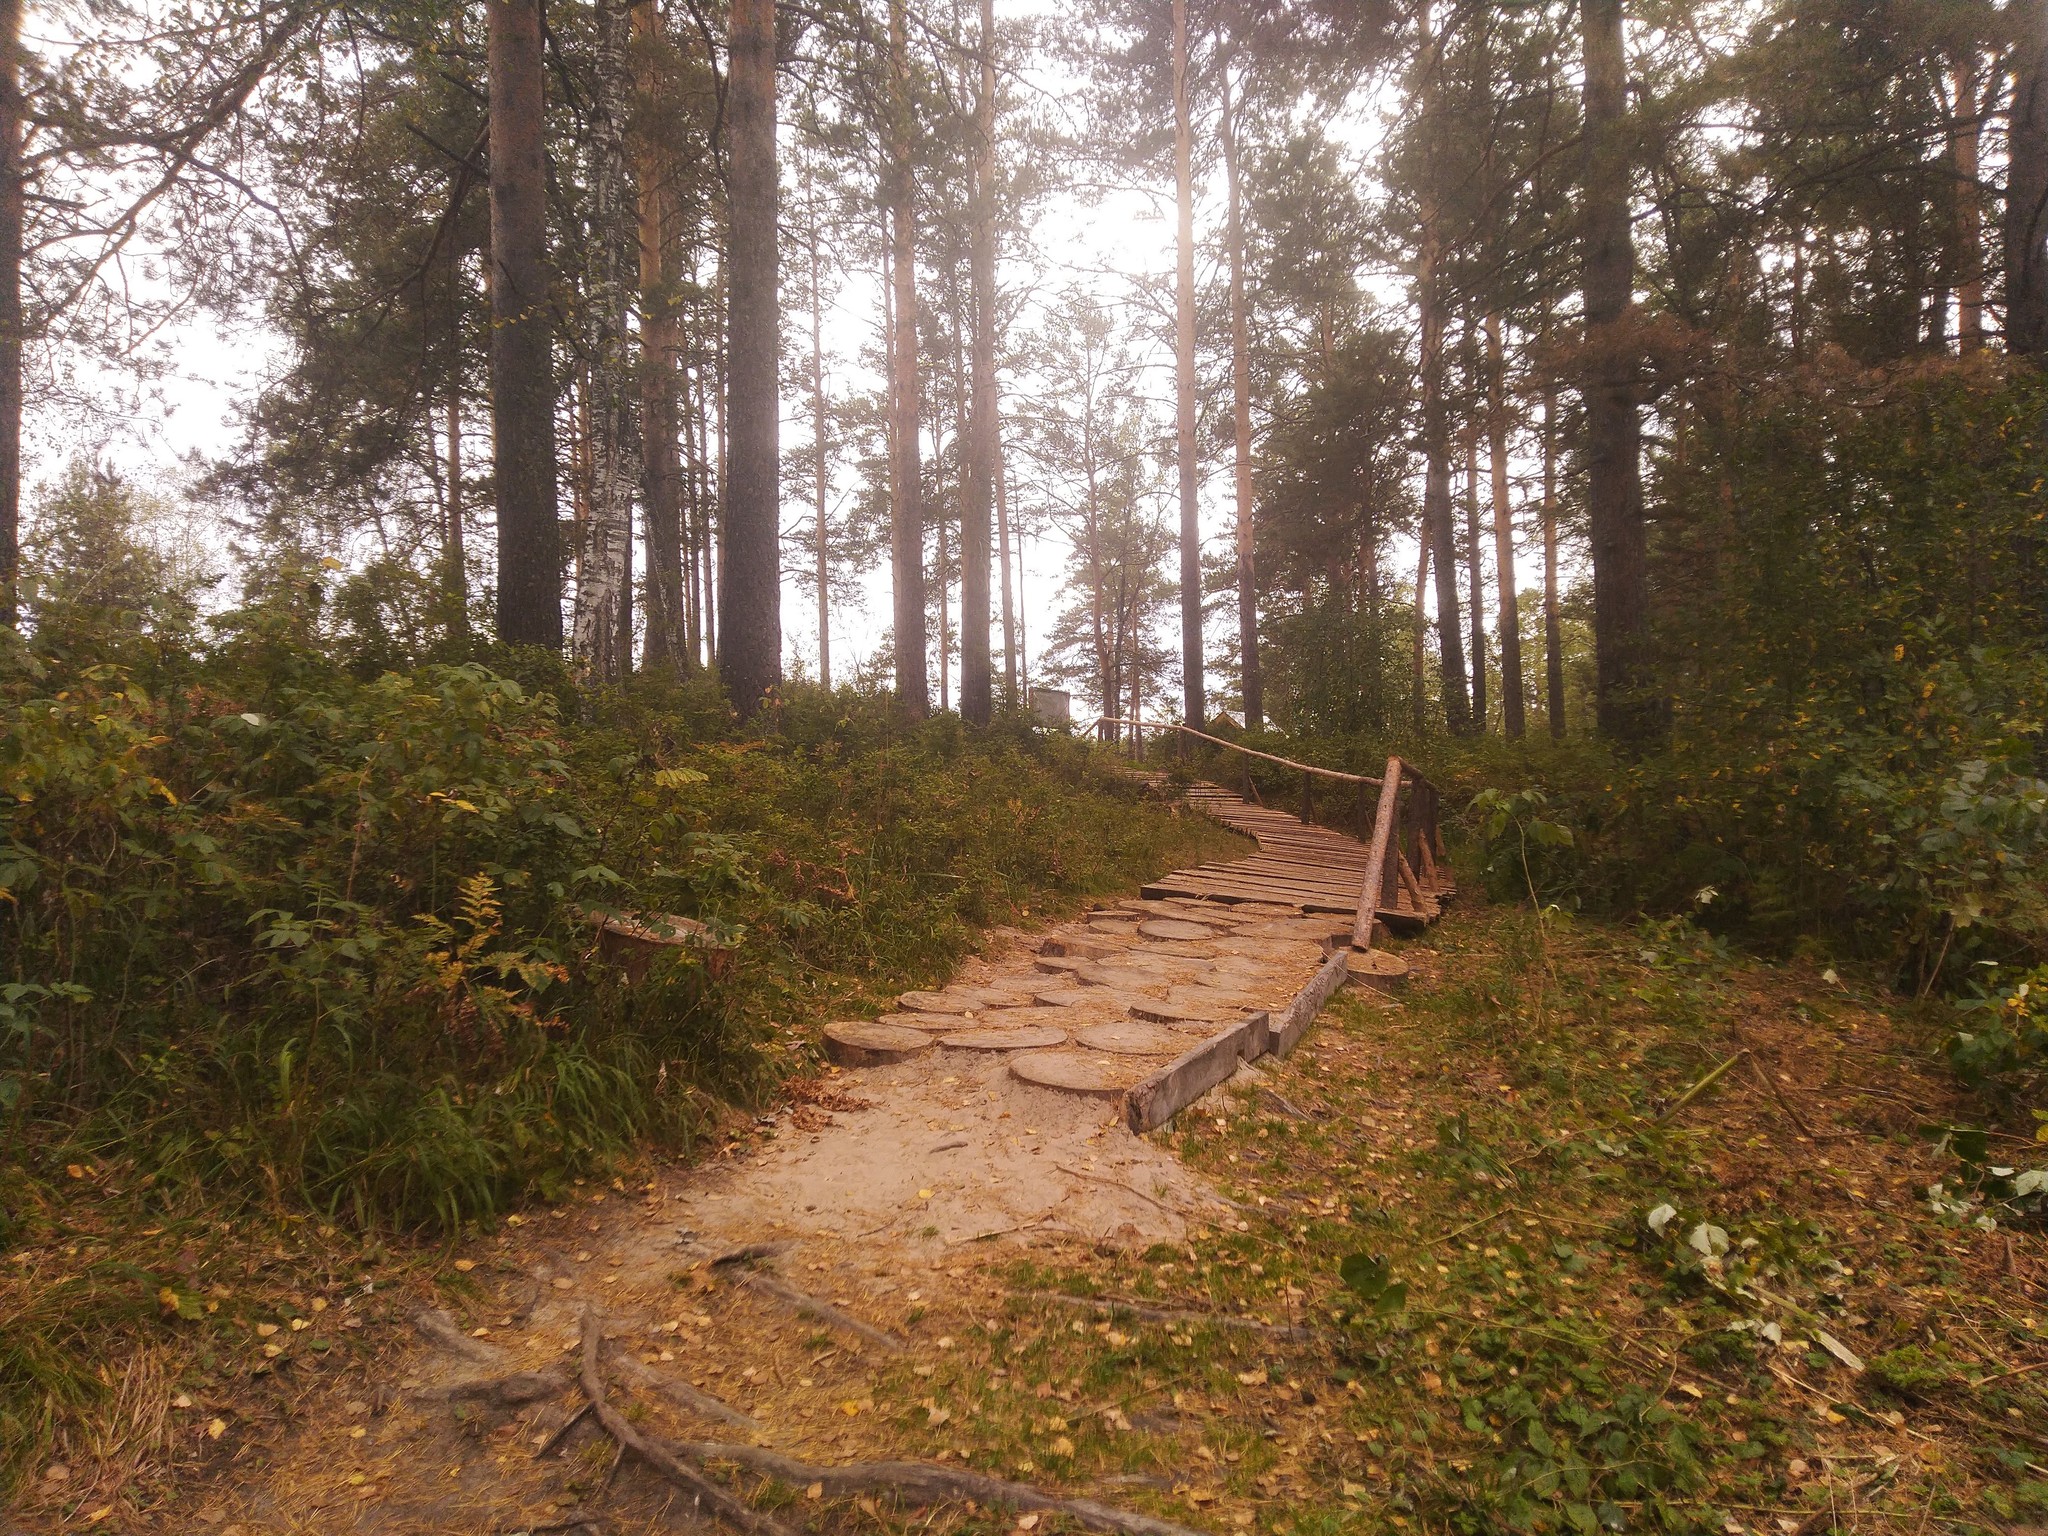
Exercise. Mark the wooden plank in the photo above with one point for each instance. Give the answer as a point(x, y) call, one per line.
point(1158, 1098)
point(1288, 1027)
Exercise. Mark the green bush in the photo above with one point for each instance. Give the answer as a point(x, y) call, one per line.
point(270, 924)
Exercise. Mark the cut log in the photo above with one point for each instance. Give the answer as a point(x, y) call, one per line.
point(1131, 1038)
point(1375, 968)
point(861, 1043)
point(935, 1002)
point(1088, 1073)
point(1177, 928)
point(1032, 1038)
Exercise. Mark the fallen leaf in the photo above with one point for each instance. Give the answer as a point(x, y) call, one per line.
point(265, 1330)
point(216, 1429)
point(465, 1265)
point(1839, 1350)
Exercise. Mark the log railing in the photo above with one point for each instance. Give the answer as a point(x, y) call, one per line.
point(1401, 831)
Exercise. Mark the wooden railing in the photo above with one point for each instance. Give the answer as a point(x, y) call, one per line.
point(1401, 831)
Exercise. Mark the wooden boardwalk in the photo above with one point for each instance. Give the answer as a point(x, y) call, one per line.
point(1311, 868)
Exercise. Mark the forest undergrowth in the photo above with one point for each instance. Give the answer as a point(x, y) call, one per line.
point(1520, 1277)
point(302, 971)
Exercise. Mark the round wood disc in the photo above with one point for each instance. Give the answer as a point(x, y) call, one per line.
point(1176, 928)
point(1161, 1012)
point(1031, 1038)
point(1119, 925)
point(865, 1043)
point(1086, 947)
point(1061, 964)
point(1132, 1038)
point(936, 1002)
point(1166, 965)
point(925, 1023)
point(1065, 997)
point(1376, 968)
point(1217, 997)
point(996, 1001)
point(1122, 979)
point(1084, 1072)
point(1294, 949)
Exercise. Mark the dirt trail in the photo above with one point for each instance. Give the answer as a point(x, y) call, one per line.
point(889, 1204)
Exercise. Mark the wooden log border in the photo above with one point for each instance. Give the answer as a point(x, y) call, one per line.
point(1152, 1103)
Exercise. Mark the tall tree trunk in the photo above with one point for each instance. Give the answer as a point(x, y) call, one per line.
point(977, 494)
point(2026, 198)
point(906, 513)
point(1437, 528)
point(750, 648)
point(1512, 723)
point(822, 550)
point(454, 571)
point(522, 363)
point(1966, 139)
point(1011, 697)
point(1241, 403)
point(13, 212)
point(1475, 577)
point(661, 344)
point(942, 560)
point(1614, 488)
point(1553, 623)
point(605, 566)
point(1420, 660)
point(1193, 707)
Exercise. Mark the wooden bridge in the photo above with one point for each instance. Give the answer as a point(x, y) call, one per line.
point(1391, 877)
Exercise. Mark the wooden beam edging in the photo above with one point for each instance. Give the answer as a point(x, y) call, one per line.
point(1157, 1099)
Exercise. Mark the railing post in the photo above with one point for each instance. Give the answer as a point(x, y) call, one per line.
point(1364, 811)
point(1381, 860)
point(1308, 797)
point(1246, 764)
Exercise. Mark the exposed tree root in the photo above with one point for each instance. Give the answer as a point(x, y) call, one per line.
point(704, 1493)
point(914, 1481)
point(513, 1390)
point(925, 1482)
point(802, 1301)
point(438, 1327)
point(681, 1393)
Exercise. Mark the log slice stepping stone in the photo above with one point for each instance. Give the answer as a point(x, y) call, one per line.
point(1090, 1073)
point(926, 1023)
point(1160, 1011)
point(1132, 1038)
point(1122, 979)
point(1031, 1038)
point(859, 1043)
point(937, 1002)
point(1062, 964)
point(1177, 928)
point(1093, 947)
point(1376, 968)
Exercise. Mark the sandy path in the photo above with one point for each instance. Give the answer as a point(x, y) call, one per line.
point(899, 1195)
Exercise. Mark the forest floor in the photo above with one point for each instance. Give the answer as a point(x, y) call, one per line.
point(1805, 1342)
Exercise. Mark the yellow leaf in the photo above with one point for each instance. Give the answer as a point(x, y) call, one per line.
point(265, 1330)
point(216, 1428)
point(465, 1265)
